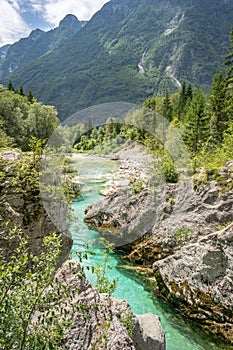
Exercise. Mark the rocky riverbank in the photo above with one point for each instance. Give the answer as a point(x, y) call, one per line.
point(177, 230)
point(108, 323)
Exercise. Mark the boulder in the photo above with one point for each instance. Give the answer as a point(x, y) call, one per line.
point(148, 333)
point(198, 280)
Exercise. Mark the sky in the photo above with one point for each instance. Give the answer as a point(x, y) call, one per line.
point(19, 17)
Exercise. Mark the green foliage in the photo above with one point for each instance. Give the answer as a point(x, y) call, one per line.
point(197, 122)
point(167, 107)
point(22, 117)
point(128, 321)
point(169, 169)
point(103, 284)
point(217, 108)
point(183, 234)
point(35, 309)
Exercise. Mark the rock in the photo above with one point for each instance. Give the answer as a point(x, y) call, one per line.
point(21, 205)
point(198, 280)
point(109, 323)
point(149, 334)
point(154, 224)
point(123, 217)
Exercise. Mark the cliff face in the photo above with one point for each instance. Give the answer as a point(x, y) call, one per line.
point(21, 205)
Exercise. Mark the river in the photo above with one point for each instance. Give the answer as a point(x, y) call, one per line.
point(181, 334)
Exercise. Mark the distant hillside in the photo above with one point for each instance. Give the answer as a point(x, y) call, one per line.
point(130, 50)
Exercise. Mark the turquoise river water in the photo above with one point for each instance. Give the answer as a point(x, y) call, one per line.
point(181, 334)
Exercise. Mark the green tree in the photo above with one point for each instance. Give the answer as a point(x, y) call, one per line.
point(150, 103)
point(21, 91)
point(229, 79)
point(196, 130)
point(30, 96)
point(217, 108)
point(189, 92)
point(10, 86)
point(42, 121)
point(182, 100)
point(167, 107)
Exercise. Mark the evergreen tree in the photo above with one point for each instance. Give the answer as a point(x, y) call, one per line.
point(217, 110)
point(167, 107)
point(21, 91)
point(30, 96)
point(182, 100)
point(189, 92)
point(10, 86)
point(229, 64)
point(229, 80)
point(197, 122)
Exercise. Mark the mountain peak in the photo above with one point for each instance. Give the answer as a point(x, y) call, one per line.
point(70, 22)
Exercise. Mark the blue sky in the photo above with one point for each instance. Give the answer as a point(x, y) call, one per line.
point(19, 17)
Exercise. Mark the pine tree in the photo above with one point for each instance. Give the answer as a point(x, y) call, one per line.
point(182, 100)
point(10, 86)
point(197, 122)
point(21, 91)
point(189, 92)
point(30, 96)
point(217, 108)
point(229, 80)
point(229, 64)
point(167, 107)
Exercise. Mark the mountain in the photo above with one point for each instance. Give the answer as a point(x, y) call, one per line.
point(38, 44)
point(3, 52)
point(128, 51)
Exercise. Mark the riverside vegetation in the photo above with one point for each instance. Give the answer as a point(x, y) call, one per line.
point(206, 123)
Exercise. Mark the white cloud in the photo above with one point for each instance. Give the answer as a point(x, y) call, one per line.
point(55, 10)
point(12, 26)
point(47, 12)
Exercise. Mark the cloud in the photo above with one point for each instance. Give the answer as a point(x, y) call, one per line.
point(55, 10)
point(19, 17)
point(12, 26)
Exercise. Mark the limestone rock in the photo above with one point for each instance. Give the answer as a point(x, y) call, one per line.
point(109, 323)
point(153, 225)
point(198, 279)
point(149, 334)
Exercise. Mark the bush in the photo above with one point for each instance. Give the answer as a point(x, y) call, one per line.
point(33, 306)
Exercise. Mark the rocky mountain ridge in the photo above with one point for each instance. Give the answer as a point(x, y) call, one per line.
point(37, 44)
point(129, 51)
